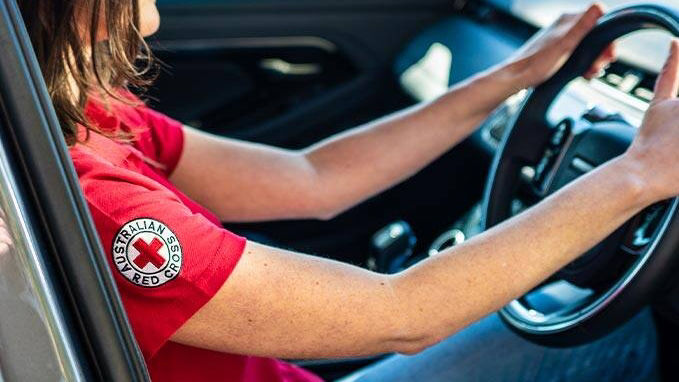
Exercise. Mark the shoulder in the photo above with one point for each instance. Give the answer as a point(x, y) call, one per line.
point(97, 152)
point(107, 167)
point(156, 136)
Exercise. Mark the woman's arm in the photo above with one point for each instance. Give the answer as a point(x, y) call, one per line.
point(283, 304)
point(243, 181)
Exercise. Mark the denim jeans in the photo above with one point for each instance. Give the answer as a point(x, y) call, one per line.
point(489, 351)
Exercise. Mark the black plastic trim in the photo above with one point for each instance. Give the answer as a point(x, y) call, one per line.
point(71, 238)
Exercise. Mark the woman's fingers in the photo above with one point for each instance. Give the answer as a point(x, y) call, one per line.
point(667, 84)
point(584, 24)
point(5, 240)
point(605, 58)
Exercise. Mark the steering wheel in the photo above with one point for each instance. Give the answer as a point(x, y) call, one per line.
point(610, 283)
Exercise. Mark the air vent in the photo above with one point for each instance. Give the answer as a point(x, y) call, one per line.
point(631, 80)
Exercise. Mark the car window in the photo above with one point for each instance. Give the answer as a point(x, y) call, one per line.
point(33, 340)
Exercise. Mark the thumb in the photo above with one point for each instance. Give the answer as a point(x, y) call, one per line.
point(667, 84)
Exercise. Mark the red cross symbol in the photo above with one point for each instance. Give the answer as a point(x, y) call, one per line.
point(148, 253)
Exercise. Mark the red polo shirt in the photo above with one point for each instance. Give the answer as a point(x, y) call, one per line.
point(168, 254)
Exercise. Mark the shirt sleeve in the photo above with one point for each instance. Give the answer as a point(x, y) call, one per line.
point(167, 261)
point(162, 141)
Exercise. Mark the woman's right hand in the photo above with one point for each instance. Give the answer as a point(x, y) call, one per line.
point(655, 150)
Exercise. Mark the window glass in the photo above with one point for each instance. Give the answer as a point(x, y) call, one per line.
point(33, 342)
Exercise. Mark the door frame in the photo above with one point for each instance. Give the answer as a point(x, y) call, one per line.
point(83, 283)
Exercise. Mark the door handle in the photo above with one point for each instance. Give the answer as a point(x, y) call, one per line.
point(285, 68)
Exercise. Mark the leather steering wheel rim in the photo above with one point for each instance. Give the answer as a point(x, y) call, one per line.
point(529, 129)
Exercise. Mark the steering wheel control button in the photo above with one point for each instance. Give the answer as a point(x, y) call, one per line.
point(644, 227)
point(561, 133)
point(552, 154)
point(543, 166)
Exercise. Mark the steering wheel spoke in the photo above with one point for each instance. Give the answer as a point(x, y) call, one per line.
point(552, 156)
point(644, 228)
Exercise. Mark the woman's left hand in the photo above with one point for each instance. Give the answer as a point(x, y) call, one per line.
point(549, 49)
point(6, 243)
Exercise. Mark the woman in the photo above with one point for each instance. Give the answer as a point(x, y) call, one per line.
point(206, 304)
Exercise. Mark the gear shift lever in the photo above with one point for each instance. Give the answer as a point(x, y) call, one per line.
point(391, 246)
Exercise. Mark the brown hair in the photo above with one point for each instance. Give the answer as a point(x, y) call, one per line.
point(64, 49)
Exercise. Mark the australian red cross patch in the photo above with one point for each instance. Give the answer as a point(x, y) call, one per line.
point(147, 252)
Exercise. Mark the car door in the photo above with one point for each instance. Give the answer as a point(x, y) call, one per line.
point(291, 72)
point(60, 314)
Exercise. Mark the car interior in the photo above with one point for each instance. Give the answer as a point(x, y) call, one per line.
point(292, 72)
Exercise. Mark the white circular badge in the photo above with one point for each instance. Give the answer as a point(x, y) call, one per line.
point(147, 252)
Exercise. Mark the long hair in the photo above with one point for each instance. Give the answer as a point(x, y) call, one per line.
point(64, 47)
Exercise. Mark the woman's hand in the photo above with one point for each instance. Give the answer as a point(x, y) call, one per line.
point(549, 49)
point(654, 150)
point(5, 237)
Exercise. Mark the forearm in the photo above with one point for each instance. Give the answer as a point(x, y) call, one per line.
point(364, 161)
point(456, 288)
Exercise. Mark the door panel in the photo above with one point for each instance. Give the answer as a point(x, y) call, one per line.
point(250, 88)
point(234, 64)
point(291, 72)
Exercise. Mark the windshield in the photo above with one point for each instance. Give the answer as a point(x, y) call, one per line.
point(644, 49)
point(544, 12)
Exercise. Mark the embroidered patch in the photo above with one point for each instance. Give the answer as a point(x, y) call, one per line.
point(147, 252)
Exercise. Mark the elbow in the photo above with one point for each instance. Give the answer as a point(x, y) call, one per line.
point(325, 214)
point(326, 200)
point(419, 337)
point(418, 329)
point(415, 335)
point(412, 348)
point(417, 345)
point(327, 209)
